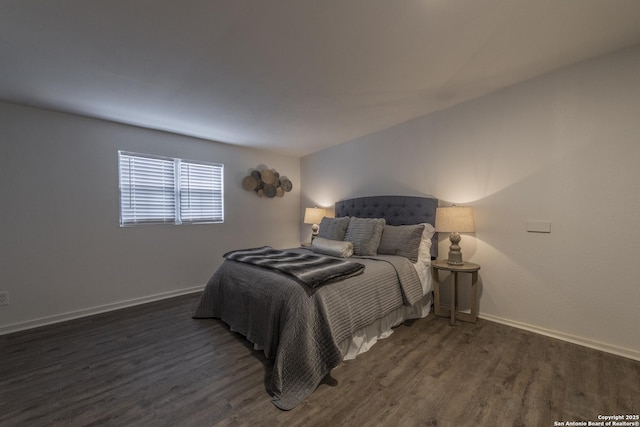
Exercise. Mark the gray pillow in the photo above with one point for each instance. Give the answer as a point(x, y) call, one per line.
point(333, 228)
point(365, 235)
point(401, 240)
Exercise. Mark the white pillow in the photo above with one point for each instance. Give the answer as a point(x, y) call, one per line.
point(424, 253)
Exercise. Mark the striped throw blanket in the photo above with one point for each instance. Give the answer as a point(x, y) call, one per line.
point(312, 270)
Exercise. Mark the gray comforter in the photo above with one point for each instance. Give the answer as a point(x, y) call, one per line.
point(299, 327)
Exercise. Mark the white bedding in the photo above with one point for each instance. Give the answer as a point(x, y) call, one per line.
point(366, 337)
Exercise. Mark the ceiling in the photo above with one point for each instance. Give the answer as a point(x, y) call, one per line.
point(290, 76)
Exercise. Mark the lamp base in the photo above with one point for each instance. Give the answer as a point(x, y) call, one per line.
point(455, 256)
point(314, 231)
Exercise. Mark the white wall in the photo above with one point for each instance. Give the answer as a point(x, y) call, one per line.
point(62, 252)
point(564, 147)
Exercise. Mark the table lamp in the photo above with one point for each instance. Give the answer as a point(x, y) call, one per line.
point(455, 220)
point(314, 216)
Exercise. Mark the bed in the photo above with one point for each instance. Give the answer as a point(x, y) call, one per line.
point(308, 330)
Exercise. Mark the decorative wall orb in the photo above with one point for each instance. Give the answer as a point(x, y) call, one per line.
point(270, 190)
point(268, 177)
point(286, 184)
point(267, 183)
point(249, 183)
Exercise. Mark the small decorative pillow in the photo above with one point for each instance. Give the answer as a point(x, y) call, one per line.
point(365, 234)
point(333, 228)
point(402, 240)
point(332, 247)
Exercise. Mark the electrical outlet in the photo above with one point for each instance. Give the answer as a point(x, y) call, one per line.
point(4, 298)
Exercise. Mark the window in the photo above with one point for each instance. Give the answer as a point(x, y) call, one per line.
point(164, 190)
point(200, 190)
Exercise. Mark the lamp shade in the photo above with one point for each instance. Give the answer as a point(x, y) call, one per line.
point(455, 219)
point(314, 215)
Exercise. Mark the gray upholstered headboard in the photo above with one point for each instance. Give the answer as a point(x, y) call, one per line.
point(396, 210)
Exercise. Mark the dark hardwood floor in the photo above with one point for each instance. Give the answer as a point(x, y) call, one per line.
point(153, 365)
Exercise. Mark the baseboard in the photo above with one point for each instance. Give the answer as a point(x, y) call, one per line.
point(608, 348)
point(57, 318)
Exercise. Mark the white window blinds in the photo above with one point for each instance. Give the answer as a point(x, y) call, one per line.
point(161, 190)
point(200, 192)
point(147, 190)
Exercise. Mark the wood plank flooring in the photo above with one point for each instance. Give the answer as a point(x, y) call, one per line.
point(153, 365)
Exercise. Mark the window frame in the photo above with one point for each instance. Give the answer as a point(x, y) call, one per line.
point(216, 187)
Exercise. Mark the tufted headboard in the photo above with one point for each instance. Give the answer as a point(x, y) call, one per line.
point(396, 210)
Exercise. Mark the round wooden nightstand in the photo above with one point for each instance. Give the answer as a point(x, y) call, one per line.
point(467, 267)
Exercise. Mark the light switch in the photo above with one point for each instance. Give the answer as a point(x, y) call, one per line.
point(539, 226)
